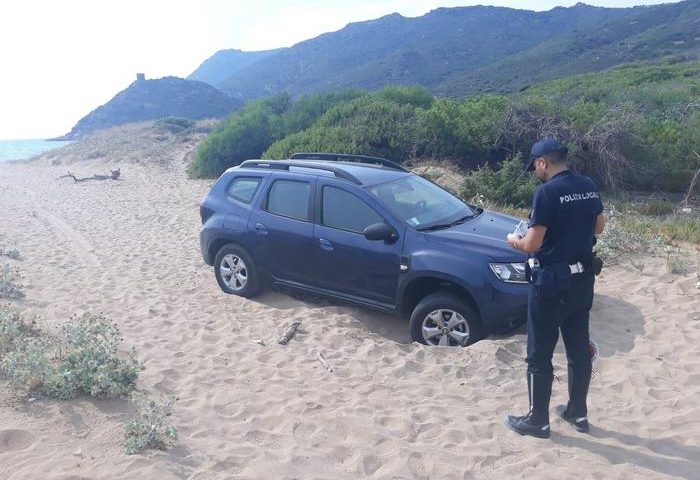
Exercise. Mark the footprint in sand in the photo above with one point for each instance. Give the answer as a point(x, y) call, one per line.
point(370, 464)
point(14, 440)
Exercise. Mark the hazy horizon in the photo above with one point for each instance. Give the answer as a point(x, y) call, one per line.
point(62, 60)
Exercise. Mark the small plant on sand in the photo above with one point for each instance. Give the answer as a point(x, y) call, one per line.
point(675, 263)
point(81, 358)
point(10, 287)
point(12, 253)
point(150, 429)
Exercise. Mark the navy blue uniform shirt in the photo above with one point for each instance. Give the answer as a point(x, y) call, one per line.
point(568, 205)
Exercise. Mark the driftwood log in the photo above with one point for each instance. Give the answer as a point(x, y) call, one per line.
point(289, 333)
point(113, 175)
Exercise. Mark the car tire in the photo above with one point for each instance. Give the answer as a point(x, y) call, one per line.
point(444, 319)
point(243, 278)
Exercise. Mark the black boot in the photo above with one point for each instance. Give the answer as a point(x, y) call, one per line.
point(536, 422)
point(576, 411)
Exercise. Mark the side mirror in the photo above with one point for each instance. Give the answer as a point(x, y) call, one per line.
point(380, 231)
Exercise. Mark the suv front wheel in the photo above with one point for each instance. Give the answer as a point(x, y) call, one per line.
point(235, 271)
point(444, 319)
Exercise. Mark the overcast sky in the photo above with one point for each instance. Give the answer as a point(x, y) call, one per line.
point(60, 59)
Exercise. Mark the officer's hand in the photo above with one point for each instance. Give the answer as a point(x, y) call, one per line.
point(512, 239)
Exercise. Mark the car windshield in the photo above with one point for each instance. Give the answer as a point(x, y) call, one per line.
point(421, 203)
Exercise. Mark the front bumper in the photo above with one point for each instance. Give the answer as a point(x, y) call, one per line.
point(504, 306)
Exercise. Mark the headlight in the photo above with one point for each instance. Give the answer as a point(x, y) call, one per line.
point(509, 272)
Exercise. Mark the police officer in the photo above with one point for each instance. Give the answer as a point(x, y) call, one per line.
point(566, 214)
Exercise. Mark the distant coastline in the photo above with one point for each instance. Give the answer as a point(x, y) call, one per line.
point(27, 148)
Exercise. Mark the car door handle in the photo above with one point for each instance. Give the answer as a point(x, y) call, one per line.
point(261, 229)
point(325, 244)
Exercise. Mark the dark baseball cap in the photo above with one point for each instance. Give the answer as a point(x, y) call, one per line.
point(542, 148)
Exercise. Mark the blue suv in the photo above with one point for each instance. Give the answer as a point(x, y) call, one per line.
point(365, 230)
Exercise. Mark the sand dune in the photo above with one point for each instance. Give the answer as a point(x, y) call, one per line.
point(390, 409)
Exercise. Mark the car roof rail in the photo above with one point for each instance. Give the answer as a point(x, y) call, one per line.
point(341, 157)
point(285, 165)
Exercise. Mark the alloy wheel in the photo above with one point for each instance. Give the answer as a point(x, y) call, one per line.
point(445, 328)
point(234, 272)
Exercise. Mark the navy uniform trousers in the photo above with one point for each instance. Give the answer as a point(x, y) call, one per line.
point(548, 313)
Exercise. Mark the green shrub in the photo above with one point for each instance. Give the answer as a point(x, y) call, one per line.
point(309, 108)
point(91, 364)
point(506, 185)
point(244, 135)
point(10, 286)
point(464, 130)
point(416, 96)
point(367, 125)
point(150, 429)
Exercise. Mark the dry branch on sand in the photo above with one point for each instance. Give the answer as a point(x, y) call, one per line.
point(113, 175)
point(289, 333)
point(324, 362)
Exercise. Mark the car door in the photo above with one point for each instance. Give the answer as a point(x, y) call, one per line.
point(347, 262)
point(283, 228)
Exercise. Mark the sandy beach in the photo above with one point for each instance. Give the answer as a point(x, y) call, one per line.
point(248, 408)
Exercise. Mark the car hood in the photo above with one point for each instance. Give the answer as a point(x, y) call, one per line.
point(485, 234)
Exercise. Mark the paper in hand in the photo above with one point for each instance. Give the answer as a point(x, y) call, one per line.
point(521, 229)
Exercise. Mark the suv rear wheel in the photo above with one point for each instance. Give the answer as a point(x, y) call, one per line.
point(444, 319)
point(235, 271)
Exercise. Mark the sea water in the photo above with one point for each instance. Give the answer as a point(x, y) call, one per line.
point(22, 149)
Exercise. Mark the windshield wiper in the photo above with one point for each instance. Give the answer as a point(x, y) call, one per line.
point(459, 221)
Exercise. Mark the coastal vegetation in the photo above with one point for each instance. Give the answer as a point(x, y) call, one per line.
point(81, 357)
point(636, 127)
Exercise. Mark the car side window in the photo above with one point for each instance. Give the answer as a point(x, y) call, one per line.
point(345, 211)
point(243, 188)
point(289, 198)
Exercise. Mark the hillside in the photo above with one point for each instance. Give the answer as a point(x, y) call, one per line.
point(152, 99)
point(225, 63)
point(646, 34)
point(463, 50)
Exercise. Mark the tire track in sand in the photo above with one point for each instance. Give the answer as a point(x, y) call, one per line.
point(65, 234)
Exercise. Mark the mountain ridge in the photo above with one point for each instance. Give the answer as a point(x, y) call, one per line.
point(444, 49)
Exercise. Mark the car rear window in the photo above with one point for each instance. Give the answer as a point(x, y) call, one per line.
point(243, 188)
point(345, 211)
point(289, 198)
